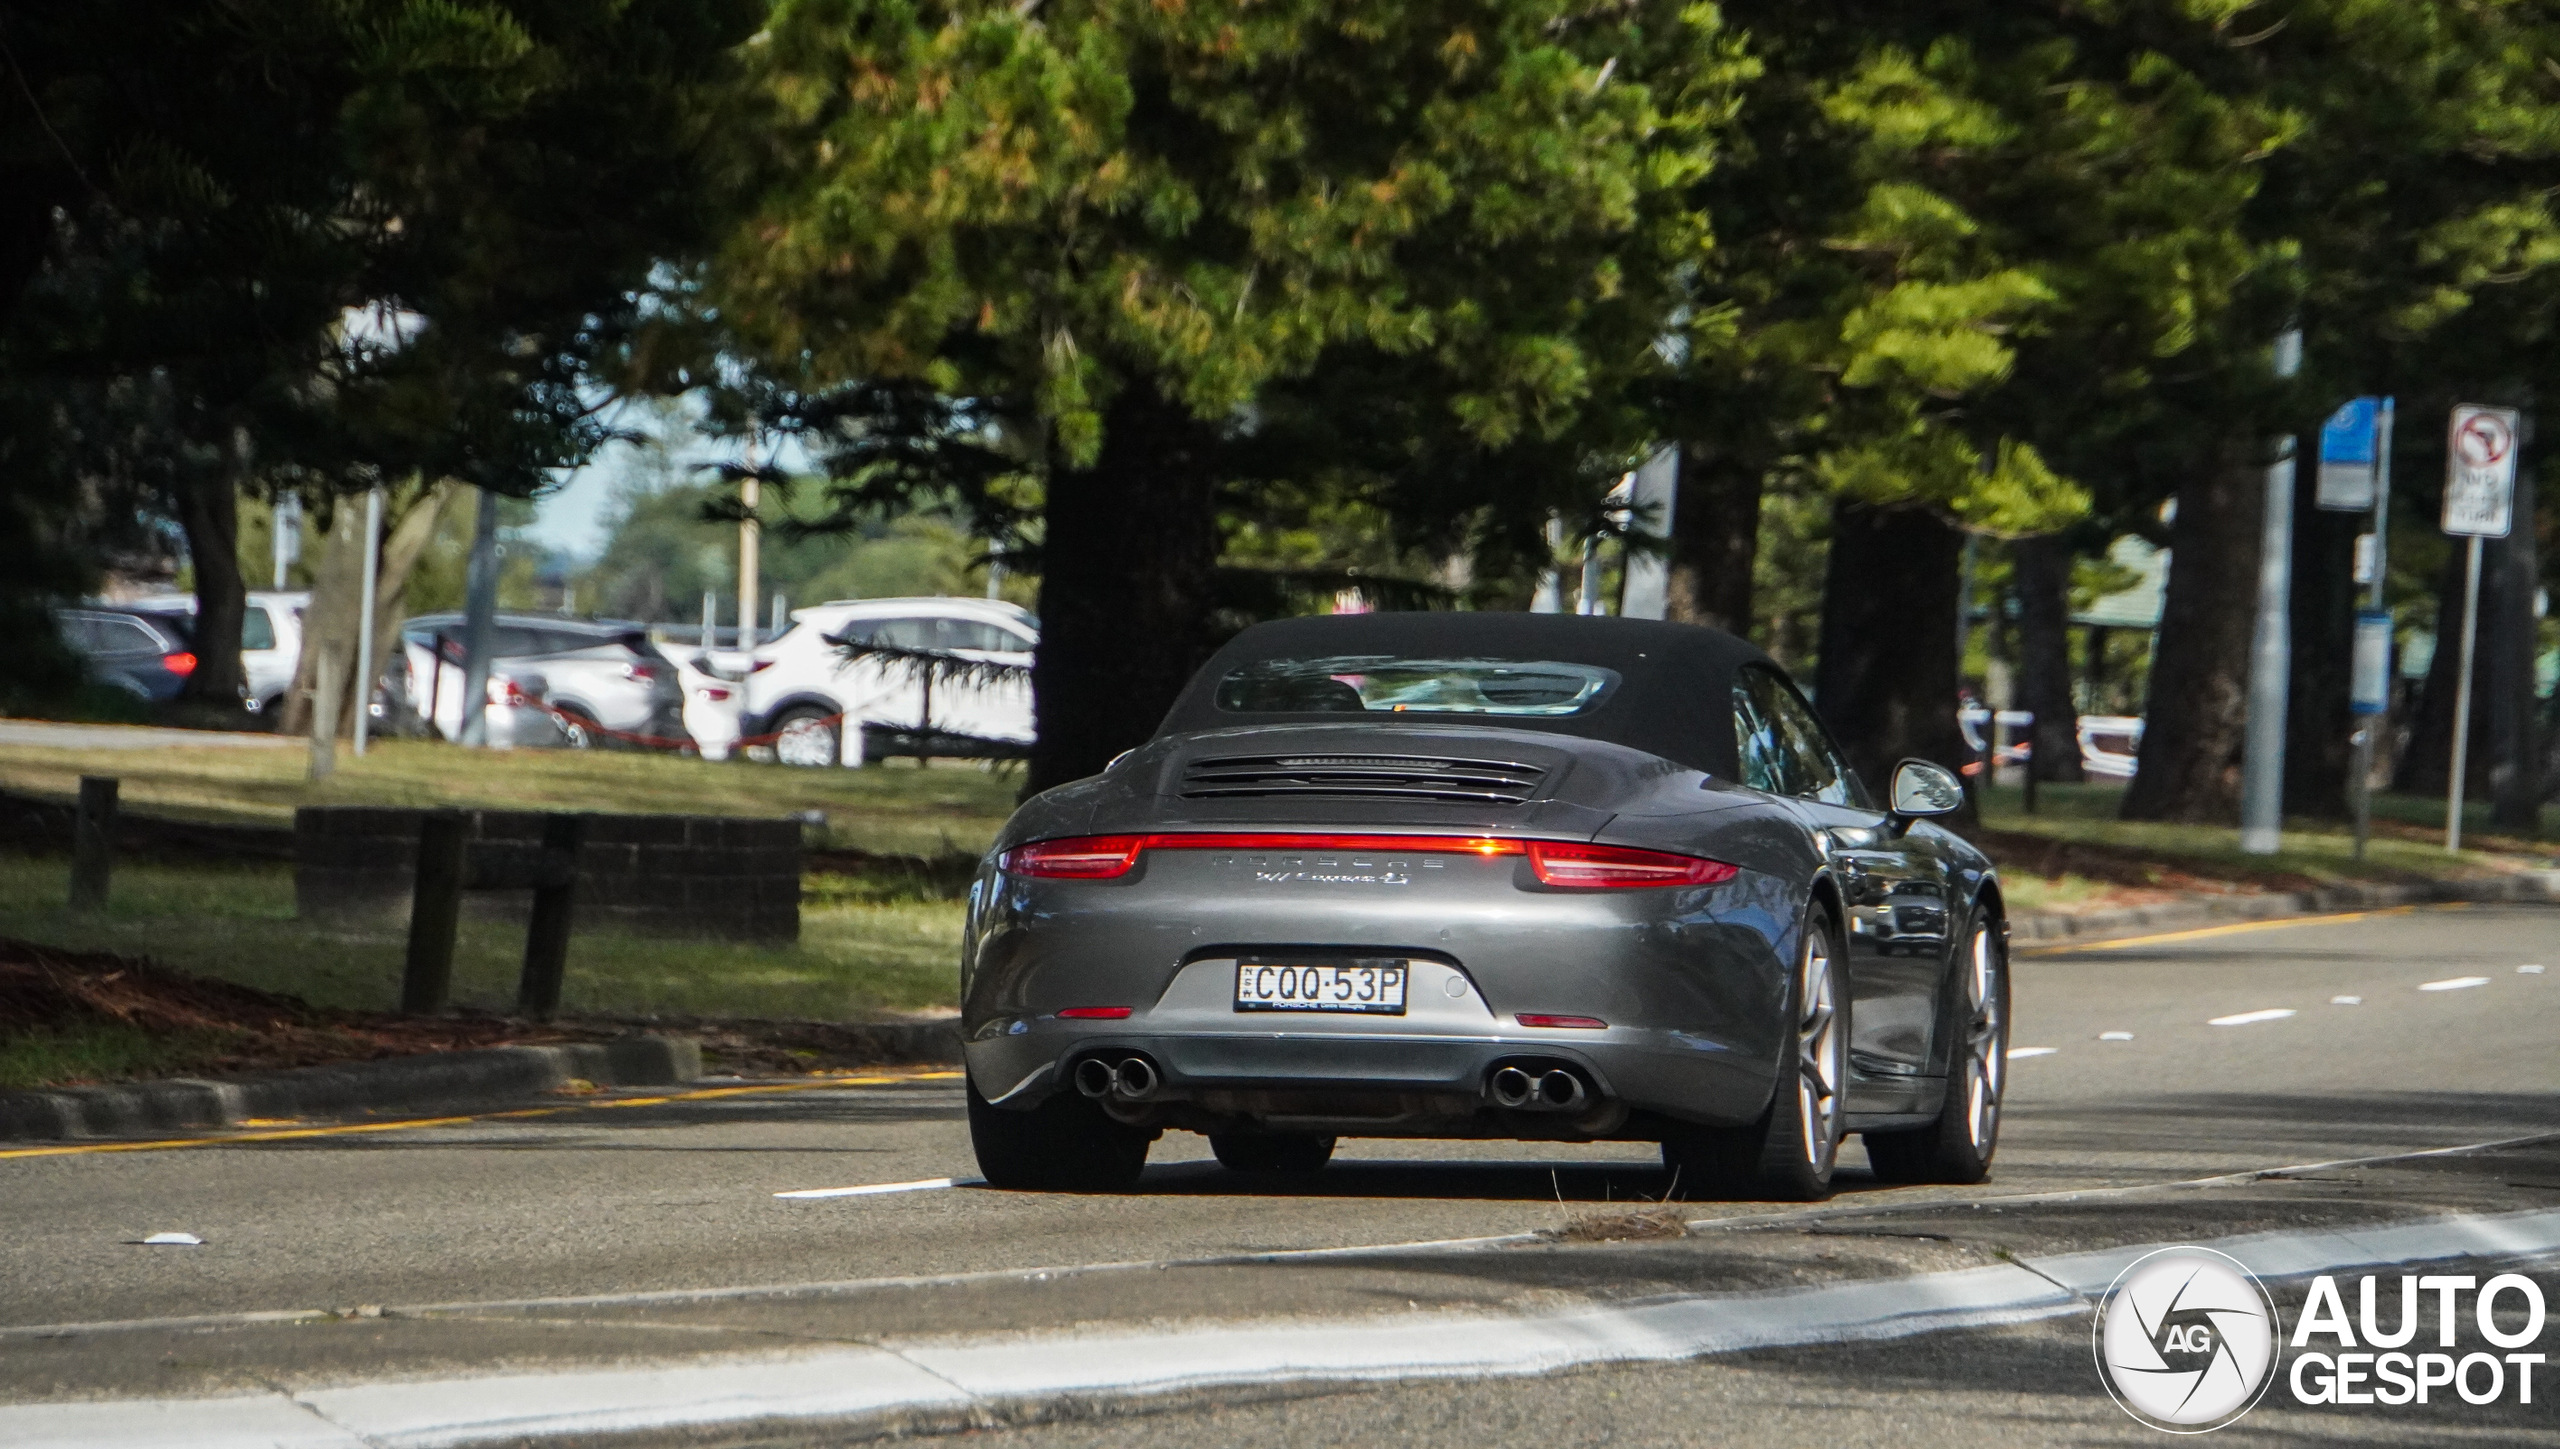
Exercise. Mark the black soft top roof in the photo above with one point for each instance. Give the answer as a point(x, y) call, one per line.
point(1674, 699)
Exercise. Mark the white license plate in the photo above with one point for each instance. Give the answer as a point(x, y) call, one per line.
point(1373, 988)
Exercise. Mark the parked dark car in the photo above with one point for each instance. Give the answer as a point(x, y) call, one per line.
point(1471, 875)
point(144, 655)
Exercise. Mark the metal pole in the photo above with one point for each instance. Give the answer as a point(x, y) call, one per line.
point(2365, 735)
point(750, 536)
point(364, 615)
point(2271, 645)
point(710, 623)
point(2462, 700)
point(479, 625)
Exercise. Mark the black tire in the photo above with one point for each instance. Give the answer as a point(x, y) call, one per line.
point(578, 729)
point(808, 737)
point(1958, 1147)
point(1066, 1144)
point(1271, 1152)
point(1789, 1154)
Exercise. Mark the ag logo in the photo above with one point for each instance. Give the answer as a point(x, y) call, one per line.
point(2186, 1340)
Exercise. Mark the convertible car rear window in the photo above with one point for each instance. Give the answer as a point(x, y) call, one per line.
point(1387, 684)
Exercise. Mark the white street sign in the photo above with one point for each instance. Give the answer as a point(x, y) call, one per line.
point(2480, 472)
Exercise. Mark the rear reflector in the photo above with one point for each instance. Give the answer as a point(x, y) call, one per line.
point(1095, 1013)
point(1582, 1023)
point(181, 665)
point(1575, 866)
point(1570, 865)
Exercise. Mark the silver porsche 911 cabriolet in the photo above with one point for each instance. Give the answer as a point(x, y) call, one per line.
point(1476, 875)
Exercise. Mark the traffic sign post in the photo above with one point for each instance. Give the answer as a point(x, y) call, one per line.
point(2355, 474)
point(2479, 503)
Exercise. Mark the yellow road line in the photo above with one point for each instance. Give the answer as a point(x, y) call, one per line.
point(2202, 932)
point(350, 1128)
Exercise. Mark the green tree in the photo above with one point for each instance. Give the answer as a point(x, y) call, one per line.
point(1126, 222)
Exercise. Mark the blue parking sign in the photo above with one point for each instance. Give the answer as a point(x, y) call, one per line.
point(2348, 455)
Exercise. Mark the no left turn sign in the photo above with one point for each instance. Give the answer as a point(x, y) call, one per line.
point(2480, 472)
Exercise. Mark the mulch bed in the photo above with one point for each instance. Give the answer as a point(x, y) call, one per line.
point(46, 988)
point(2139, 878)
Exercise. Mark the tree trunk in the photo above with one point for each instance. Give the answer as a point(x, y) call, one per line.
point(336, 612)
point(2042, 574)
point(2426, 768)
point(2317, 756)
point(209, 511)
point(2509, 647)
point(2189, 767)
point(1886, 678)
point(1715, 541)
point(1125, 585)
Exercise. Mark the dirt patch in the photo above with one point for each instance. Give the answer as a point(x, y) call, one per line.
point(229, 1028)
point(1635, 1225)
point(208, 1027)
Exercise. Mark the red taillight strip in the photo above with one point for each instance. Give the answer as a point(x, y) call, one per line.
point(1567, 1023)
point(1095, 1013)
point(1564, 864)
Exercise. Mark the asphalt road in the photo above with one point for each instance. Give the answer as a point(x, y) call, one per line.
point(2408, 1031)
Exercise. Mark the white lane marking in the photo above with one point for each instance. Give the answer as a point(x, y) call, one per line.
point(2455, 983)
point(2017, 1052)
point(2115, 1036)
point(2528, 971)
point(873, 1189)
point(2346, 1001)
point(2246, 1018)
point(895, 1377)
point(657, 1297)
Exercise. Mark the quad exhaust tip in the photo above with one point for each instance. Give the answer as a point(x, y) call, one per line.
point(1131, 1079)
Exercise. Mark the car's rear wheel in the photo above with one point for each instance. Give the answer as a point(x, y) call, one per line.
point(1066, 1144)
point(1272, 1152)
point(578, 728)
point(806, 737)
point(1957, 1148)
point(1788, 1155)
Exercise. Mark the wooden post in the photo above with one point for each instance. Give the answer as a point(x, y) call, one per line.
point(546, 936)
point(93, 843)
point(435, 910)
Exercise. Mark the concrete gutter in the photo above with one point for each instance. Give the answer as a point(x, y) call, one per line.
point(2532, 885)
point(433, 1079)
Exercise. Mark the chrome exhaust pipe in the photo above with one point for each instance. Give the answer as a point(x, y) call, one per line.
point(1096, 1077)
point(1560, 1090)
point(1136, 1080)
point(1513, 1087)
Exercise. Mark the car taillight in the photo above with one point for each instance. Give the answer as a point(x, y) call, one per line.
point(1563, 1023)
point(1081, 857)
point(1095, 1013)
point(181, 664)
point(713, 693)
point(1576, 866)
point(642, 673)
point(505, 693)
point(759, 666)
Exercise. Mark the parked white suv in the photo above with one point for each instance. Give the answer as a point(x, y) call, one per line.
point(823, 710)
point(270, 638)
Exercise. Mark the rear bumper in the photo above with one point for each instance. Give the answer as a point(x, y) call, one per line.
point(1691, 983)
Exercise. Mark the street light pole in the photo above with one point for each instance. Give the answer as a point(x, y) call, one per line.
point(2271, 644)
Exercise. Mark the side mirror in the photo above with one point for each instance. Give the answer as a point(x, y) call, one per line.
point(1921, 789)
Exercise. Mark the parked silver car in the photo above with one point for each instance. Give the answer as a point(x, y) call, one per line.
point(599, 681)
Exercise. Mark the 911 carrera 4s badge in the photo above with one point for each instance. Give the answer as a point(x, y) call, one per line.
point(1374, 988)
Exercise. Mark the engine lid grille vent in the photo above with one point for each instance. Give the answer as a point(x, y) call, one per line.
point(1373, 777)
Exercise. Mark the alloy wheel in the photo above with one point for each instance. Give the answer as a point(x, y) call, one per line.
point(1986, 1041)
point(1821, 1054)
point(806, 742)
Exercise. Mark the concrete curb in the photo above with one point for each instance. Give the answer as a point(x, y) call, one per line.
point(76, 1113)
point(2536, 885)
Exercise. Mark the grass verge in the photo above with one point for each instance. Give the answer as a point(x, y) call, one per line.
point(890, 809)
point(855, 957)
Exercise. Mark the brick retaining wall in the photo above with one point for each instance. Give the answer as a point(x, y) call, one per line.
point(654, 875)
